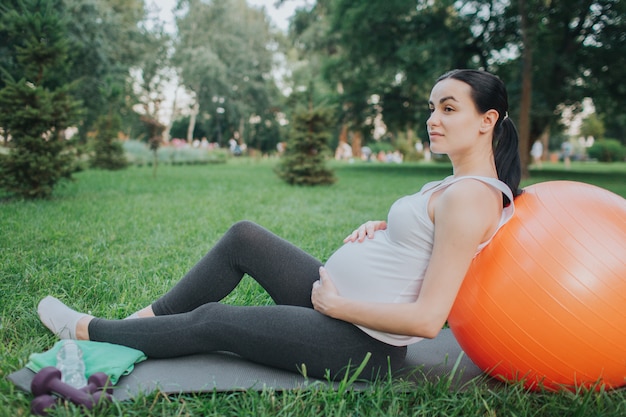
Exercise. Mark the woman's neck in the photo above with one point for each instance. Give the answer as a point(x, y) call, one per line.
point(485, 168)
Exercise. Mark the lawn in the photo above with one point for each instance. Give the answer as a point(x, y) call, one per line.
point(111, 242)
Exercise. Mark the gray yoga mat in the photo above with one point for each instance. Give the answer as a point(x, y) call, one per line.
point(429, 360)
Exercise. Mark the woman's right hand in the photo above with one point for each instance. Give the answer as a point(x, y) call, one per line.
point(367, 229)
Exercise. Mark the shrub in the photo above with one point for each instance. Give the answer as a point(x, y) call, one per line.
point(607, 150)
point(139, 154)
point(36, 109)
point(303, 162)
point(34, 166)
point(108, 151)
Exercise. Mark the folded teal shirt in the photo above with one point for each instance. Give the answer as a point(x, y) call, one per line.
point(113, 360)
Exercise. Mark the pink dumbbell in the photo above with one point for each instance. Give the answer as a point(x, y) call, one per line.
point(48, 381)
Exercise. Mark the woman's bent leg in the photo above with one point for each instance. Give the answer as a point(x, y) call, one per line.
point(280, 336)
point(285, 271)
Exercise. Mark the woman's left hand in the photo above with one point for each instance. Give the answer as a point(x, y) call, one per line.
point(324, 294)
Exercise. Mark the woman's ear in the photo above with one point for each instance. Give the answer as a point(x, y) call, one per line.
point(490, 118)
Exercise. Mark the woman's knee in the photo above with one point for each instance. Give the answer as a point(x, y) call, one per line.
point(243, 228)
point(247, 234)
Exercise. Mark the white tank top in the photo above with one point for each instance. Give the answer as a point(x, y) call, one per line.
point(390, 267)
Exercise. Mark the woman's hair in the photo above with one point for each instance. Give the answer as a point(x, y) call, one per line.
point(489, 92)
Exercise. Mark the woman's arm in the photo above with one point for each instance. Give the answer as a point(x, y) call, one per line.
point(465, 215)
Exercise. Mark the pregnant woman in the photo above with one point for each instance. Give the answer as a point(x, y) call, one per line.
point(392, 283)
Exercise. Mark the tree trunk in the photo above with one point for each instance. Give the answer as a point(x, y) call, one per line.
point(192, 121)
point(545, 139)
point(242, 128)
point(166, 133)
point(410, 136)
point(357, 142)
point(343, 138)
point(527, 84)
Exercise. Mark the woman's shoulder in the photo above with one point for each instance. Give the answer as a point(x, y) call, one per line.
point(468, 190)
point(475, 197)
point(479, 184)
point(468, 207)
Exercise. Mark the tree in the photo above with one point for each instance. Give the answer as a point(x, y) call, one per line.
point(225, 57)
point(551, 54)
point(527, 83)
point(312, 50)
point(35, 110)
point(155, 137)
point(605, 53)
point(572, 45)
point(311, 45)
point(108, 151)
point(414, 44)
point(106, 40)
point(593, 126)
point(153, 71)
point(307, 148)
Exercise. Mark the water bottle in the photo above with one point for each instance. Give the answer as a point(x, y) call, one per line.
point(70, 363)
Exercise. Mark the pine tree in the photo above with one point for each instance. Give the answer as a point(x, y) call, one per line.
point(108, 150)
point(36, 109)
point(307, 148)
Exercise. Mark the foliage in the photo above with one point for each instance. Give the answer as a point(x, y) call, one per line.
point(381, 146)
point(593, 126)
point(34, 167)
point(152, 72)
point(225, 58)
point(604, 58)
point(106, 40)
point(264, 135)
point(36, 110)
point(108, 151)
point(367, 58)
point(311, 45)
point(307, 148)
point(573, 44)
point(607, 150)
point(179, 129)
point(400, 63)
point(155, 137)
point(139, 154)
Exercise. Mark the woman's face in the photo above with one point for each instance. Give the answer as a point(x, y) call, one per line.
point(454, 123)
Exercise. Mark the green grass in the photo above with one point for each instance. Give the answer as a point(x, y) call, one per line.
point(111, 242)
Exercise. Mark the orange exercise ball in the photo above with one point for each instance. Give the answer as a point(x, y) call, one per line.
point(545, 302)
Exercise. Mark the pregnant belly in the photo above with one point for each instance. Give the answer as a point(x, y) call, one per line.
point(376, 271)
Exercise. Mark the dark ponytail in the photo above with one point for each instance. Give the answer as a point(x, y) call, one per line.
point(506, 155)
point(489, 92)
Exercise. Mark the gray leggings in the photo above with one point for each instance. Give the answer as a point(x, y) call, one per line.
point(189, 319)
